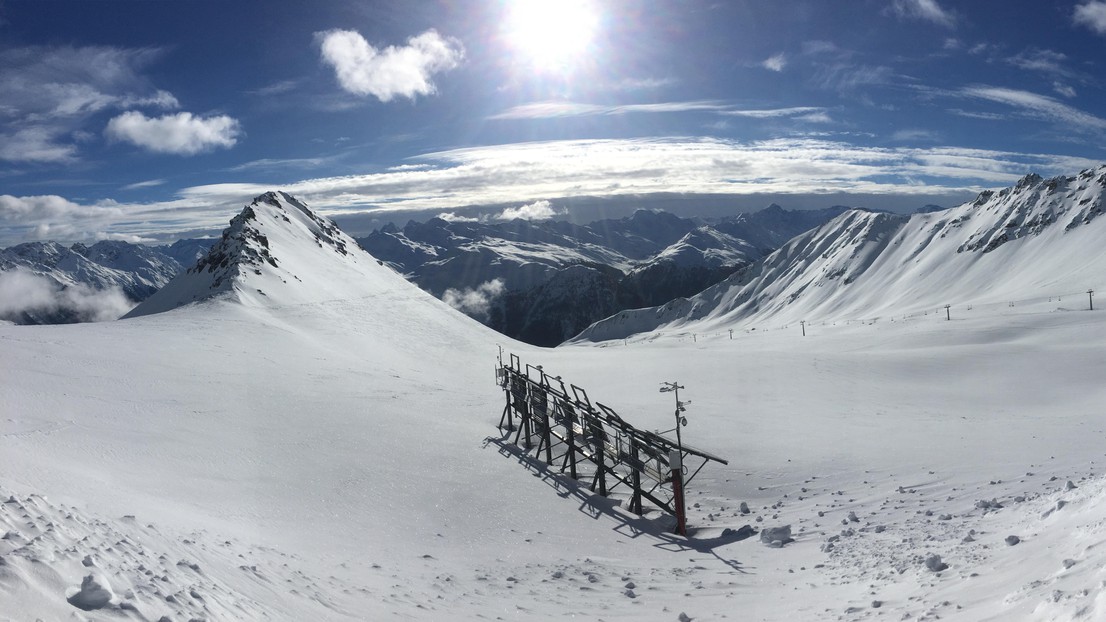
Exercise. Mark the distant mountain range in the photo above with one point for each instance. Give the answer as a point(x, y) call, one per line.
point(50, 283)
point(545, 281)
point(1041, 235)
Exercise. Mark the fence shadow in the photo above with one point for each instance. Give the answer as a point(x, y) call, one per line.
point(655, 526)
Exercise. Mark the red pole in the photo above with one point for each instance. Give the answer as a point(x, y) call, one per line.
point(676, 461)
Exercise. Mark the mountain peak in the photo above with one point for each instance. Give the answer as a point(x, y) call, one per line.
point(275, 251)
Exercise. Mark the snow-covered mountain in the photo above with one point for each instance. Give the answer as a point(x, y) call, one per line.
point(260, 257)
point(655, 256)
point(137, 270)
point(1041, 236)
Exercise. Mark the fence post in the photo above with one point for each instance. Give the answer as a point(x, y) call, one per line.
point(675, 460)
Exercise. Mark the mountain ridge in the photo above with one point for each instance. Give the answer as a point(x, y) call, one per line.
point(1032, 235)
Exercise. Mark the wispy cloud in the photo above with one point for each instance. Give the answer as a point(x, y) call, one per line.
point(282, 163)
point(1064, 89)
point(144, 184)
point(926, 10)
point(180, 134)
point(801, 112)
point(1091, 14)
point(49, 94)
point(845, 77)
point(915, 135)
point(276, 88)
point(39, 143)
point(552, 110)
point(642, 84)
point(395, 71)
point(820, 47)
point(1044, 61)
point(776, 62)
point(975, 114)
point(1038, 106)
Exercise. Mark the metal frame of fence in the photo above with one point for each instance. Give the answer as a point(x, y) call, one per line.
point(565, 428)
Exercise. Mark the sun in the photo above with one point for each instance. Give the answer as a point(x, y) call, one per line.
point(552, 35)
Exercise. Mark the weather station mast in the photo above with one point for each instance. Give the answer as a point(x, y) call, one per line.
point(676, 457)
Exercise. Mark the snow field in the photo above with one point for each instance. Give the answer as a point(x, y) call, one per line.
point(302, 455)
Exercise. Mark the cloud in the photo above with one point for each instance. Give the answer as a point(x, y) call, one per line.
point(775, 63)
point(475, 302)
point(908, 135)
point(641, 84)
point(926, 10)
point(47, 207)
point(49, 94)
point(528, 173)
point(1045, 61)
point(538, 210)
point(181, 133)
point(552, 110)
point(36, 144)
point(772, 113)
point(1064, 89)
point(52, 216)
point(138, 185)
point(847, 77)
point(1091, 14)
point(536, 171)
point(394, 71)
point(1038, 106)
point(25, 294)
point(278, 163)
point(454, 217)
point(819, 47)
point(276, 88)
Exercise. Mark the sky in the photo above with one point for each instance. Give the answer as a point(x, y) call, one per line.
point(149, 120)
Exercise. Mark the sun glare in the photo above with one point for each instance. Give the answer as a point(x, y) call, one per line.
point(550, 34)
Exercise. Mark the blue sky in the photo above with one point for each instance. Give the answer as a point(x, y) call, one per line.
point(148, 119)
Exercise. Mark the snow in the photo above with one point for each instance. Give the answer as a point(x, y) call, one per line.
point(329, 451)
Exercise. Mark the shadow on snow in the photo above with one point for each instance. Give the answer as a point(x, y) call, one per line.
point(654, 525)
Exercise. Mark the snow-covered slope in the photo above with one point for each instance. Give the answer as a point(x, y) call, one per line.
point(1039, 239)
